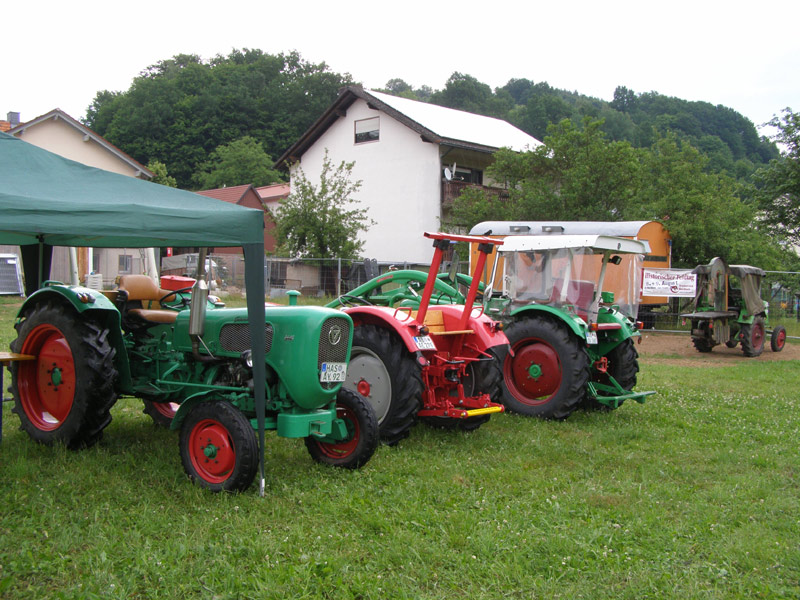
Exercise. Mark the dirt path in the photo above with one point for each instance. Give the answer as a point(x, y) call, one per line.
point(676, 349)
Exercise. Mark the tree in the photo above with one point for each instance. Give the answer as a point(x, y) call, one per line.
point(322, 221)
point(160, 175)
point(180, 110)
point(779, 183)
point(240, 162)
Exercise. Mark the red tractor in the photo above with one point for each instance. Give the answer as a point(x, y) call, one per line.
point(417, 354)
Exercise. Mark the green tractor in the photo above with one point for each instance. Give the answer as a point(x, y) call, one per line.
point(569, 303)
point(185, 355)
point(729, 309)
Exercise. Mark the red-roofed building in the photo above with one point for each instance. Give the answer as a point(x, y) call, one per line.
point(244, 195)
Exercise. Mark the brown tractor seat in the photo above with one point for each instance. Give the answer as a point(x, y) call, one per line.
point(144, 294)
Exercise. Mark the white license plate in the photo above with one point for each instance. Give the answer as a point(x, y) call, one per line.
point(424, 342)
point(333, 372)
point(591, 337)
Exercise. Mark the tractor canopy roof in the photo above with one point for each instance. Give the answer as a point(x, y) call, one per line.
point(602, 243)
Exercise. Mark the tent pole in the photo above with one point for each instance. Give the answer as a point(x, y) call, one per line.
point(41, 261)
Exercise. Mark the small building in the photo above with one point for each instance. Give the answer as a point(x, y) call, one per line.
point(61, 134)
point(413, 159)
point(249, 197)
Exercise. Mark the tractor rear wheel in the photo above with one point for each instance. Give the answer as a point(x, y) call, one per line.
point(162, 413)
point(752, 336)
point(383, 371)
point(218, 446)
point(66, 394)
point(362, 425)
point(778, 339)
point(547, 375)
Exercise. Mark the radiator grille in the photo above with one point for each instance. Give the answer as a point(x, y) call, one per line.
point(335, 329)
point(235, 337)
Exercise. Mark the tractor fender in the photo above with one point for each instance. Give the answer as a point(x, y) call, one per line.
point(576, 324)
point(485, 334)
point(92, 303)
point(396, 320)
point(187, 405)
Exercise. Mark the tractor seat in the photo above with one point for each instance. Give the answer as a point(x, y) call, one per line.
point(142, 299)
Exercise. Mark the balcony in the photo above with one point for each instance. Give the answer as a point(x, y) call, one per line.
point(452, 190)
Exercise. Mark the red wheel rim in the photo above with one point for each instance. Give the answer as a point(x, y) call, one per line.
point(781, 339)
point(211, 451)
point(533, 375)
point(757, 336)
point(47, 385)
point(345, 448)
point(167, 409)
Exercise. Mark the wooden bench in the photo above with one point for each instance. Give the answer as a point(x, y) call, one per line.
point(6, 358)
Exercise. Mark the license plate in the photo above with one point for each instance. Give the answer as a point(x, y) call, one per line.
point(333, 372)
point(424, 342)
point(591, 337)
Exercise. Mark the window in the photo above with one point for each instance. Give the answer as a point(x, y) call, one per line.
point(367, 130)
point(125, 263)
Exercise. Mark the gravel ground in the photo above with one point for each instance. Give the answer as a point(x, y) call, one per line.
point(678, 349)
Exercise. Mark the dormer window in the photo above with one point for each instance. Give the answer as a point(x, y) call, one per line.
point(367, 130)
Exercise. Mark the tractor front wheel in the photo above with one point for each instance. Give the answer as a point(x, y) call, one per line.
point(752, 336)
point(778, 339)
point(218, 446)
point(362, 427)
point(547, 374)
point(384, 372)
point(65, 395)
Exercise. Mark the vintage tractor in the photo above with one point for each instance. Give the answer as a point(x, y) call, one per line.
point(729, 309)
point(416, 354)
point(167, 346)
point(569, 304)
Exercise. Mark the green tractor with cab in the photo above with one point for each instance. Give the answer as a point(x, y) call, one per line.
point(189, 359)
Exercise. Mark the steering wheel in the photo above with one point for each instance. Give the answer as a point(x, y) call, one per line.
point(347, 299)
point(184, 301)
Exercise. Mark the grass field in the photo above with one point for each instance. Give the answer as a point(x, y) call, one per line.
point(695, 494)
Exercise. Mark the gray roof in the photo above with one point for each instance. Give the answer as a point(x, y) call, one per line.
point(459, 125)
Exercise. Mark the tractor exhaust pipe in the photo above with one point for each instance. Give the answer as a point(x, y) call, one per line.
point(197, 320)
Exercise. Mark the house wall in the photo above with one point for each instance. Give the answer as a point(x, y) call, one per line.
point(61, 138)
point(401, 182)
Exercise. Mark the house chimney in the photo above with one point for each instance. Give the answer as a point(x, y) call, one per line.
point(13, 118)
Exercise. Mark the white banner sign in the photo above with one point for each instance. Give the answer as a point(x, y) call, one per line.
point(668, 282)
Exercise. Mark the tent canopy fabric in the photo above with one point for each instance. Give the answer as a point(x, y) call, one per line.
point(50, 199)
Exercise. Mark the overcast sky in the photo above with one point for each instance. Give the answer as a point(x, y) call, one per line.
point(744, 55)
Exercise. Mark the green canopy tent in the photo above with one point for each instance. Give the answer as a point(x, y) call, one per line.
point(47, 200)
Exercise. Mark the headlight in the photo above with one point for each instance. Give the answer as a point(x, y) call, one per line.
point(247, 358)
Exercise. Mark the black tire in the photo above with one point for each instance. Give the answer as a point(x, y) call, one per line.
point(752, 337)
point(623, 365)
point(218, 446)
point(362, 424)
point(384, 372)
point(778, 339)
point(66, 394)
point(563, 369)
point(162, 413)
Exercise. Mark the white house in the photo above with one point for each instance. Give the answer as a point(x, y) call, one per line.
point(412, 157)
